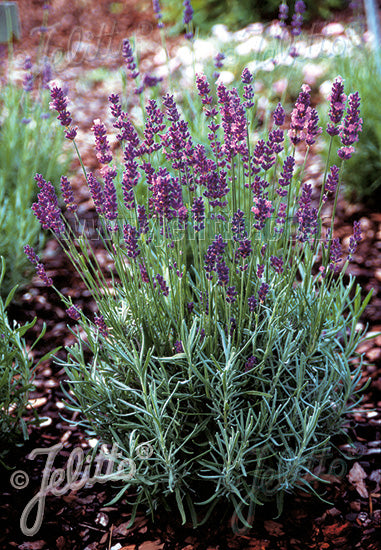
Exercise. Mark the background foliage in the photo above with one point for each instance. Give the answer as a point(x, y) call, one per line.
point(236, 13)
point(24, 147)
point(362, 176)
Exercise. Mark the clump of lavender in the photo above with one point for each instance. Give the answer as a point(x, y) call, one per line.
point(225, 300)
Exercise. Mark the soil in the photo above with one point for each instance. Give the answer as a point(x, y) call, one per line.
point(350, 517)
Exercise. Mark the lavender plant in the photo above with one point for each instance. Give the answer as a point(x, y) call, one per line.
point(29, 140)
point(224, 333)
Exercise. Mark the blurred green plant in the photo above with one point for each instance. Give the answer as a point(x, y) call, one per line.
point(29, 138)
point(16, 377)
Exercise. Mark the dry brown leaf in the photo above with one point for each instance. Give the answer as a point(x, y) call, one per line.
point(356, 477)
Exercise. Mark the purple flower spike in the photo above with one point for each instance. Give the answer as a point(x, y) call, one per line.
point(178, 346)
point(283, 14)
point(166, 195)
point(43, 275)
point(306, 215)
point(275, 141)
point(59, 104)
point(312, 130)
point(354, 239)
point(297, 18)
point(223, 273)
point(279, 115)
point(47, 74)
point(150, 81)
point(244, 250)
point(171, 108)
point(238, 226)
point(187, 17)
point(335, 255)
point(203, 89)
point(250, 363)
point(231, 294)
point(351, 126)
point(198, 210)
point(262, 210)
point(101, 325)
point(219, 60)
point(27, 63)
point(131, 239)
point(345, 153)
point(248, 90)
point(68, 195)
point(276, 264)
point(337, 106)
point(116, 108)
point(213, 254)
point(144, 273)
point(163, 285)
point(252, 302)
point(157, 12)
point(246, 77)
point(71, 134)
point(111, 204)
point(73, 313)
point(102, 145)
point(286, 175)
point(97, 193)
point(300, 115)
point(128, 56)
point(331, 182)
point(27, 83)
point(31, 255)
point(46, 209)
point(142, 219)
point(262, 292)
